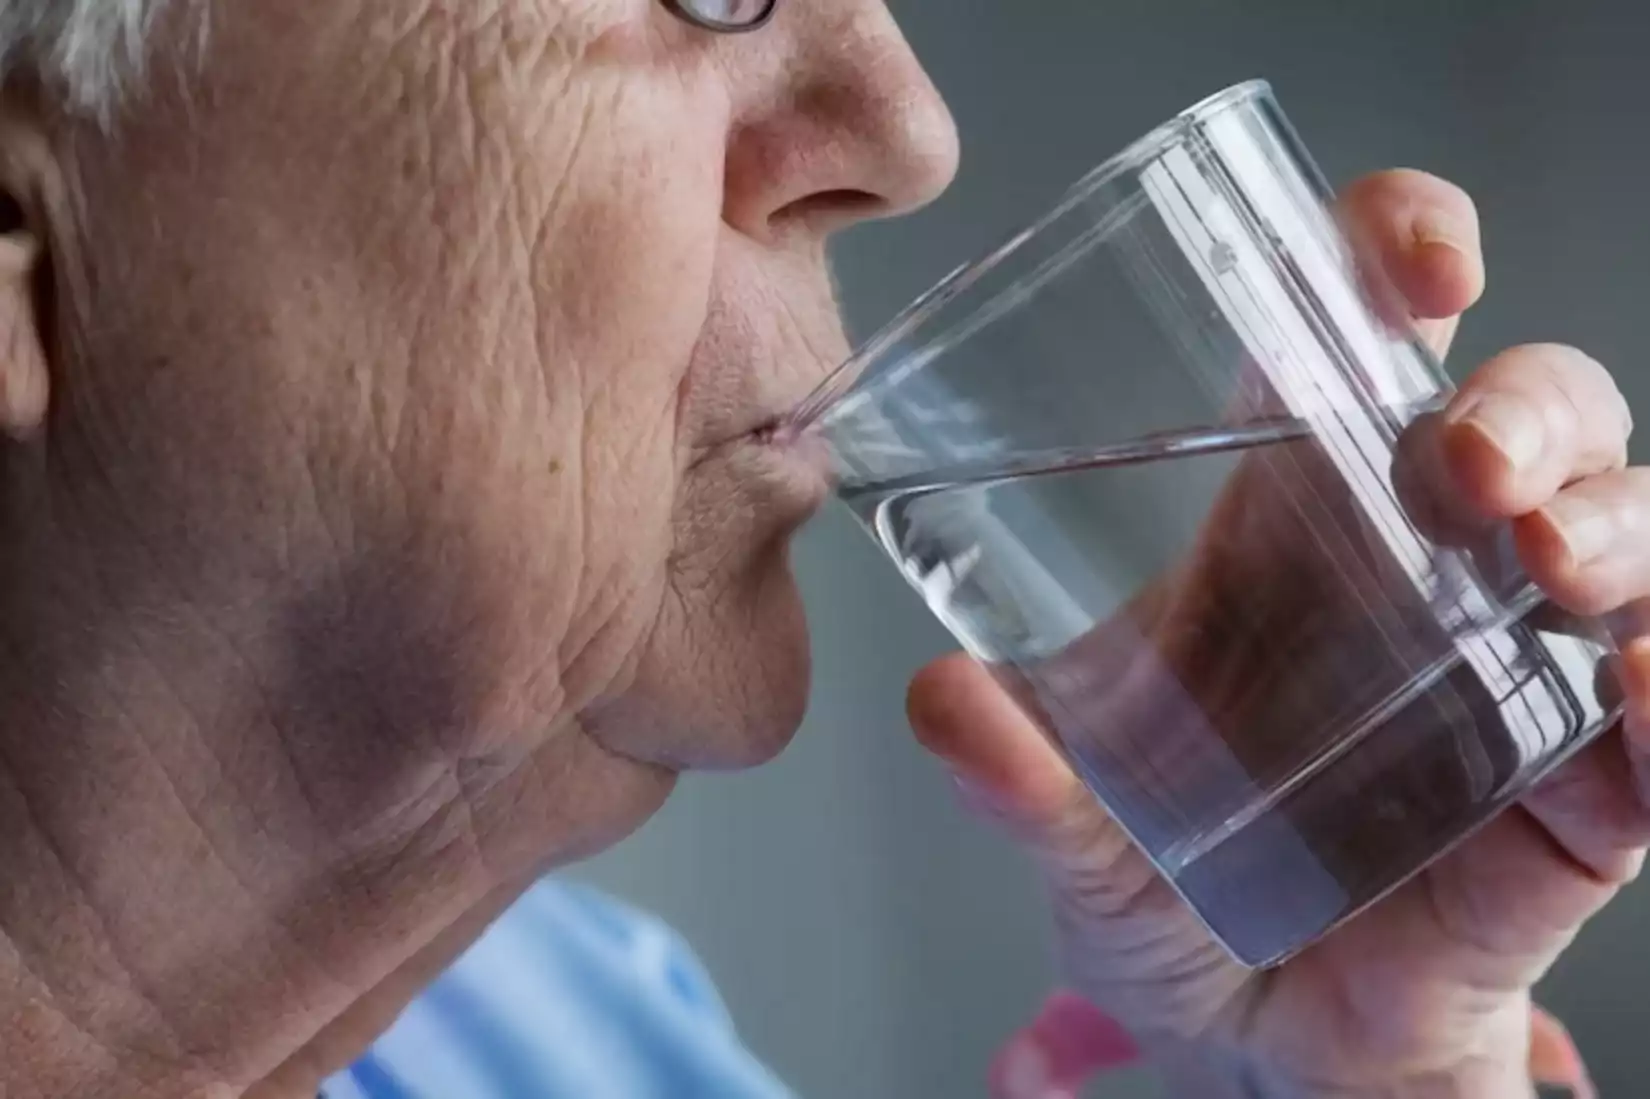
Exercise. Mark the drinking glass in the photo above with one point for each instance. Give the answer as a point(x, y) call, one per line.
point(1168, 462)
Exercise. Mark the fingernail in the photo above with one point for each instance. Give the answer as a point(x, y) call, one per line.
point(1582, 1087)
point(1641, 778)
point(1633, 670)
point(1635, 680)
point(1586, 529)
point(1430, 228)
point(1510, 425)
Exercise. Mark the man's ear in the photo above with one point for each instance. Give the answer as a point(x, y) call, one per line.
point(24, 375)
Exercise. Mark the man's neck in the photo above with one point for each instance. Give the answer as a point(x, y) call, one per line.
point(176, 912)
point(207, 888)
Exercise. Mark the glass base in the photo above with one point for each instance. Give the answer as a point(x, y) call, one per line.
point(1269, 892)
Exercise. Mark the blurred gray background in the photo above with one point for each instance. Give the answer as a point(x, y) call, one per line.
point(872, 941)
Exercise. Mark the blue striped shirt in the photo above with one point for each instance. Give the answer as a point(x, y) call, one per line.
point(569, 996)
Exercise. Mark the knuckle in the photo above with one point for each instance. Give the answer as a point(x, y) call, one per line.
point(1590, 590)
point(1628, 866)
point(1617, 456)
point(1555, 385)
point(1574, 391)
point(1409, 179)
point(1097, 869)
point(1097, 892)
point(1584, 593)
point(1559, 363)
point(1619, 860)
point(1461, 916)
point(1443, 192)
point(1398, 193)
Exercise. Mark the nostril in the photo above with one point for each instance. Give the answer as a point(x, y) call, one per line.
point(833, 209)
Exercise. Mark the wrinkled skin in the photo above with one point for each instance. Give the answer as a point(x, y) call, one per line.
point(1427, 993)
point(386, 518)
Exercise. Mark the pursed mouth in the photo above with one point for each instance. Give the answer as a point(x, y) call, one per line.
point(775, 431)
point(781, 431)
point(788, 433)
point(804, 457)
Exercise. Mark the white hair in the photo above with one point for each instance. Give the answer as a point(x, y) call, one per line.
point(87, 50)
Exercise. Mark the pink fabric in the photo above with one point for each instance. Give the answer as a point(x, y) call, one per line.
point(1071, 1041)
point(1068, 1043)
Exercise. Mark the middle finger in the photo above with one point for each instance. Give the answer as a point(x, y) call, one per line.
point(1529, 422)
point(1588, 548)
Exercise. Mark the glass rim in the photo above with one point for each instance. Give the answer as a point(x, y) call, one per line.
point(817, 406)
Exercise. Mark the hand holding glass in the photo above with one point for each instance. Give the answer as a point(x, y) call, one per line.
point(1166, 462)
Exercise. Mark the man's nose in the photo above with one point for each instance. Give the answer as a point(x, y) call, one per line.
point(851, 129)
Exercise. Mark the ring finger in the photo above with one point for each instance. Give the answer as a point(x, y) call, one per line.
point(1588, 547)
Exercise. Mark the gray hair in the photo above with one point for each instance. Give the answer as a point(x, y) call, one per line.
point(87, 50)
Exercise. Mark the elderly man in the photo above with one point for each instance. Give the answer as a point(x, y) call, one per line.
point(388, 519)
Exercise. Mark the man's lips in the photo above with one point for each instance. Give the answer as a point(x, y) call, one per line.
point(781, 430)
point(777, 454)
point(776, 429)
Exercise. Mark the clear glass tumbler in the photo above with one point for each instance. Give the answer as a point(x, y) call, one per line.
point(1166, 461)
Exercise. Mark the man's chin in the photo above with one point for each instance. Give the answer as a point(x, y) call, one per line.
point(723, 682)
point(708, 738)
point(742, 711)
point(759, 745)
point(769, 701)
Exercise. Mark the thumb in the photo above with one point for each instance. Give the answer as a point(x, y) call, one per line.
point(962, 715)
point(1128, 942)
point(1010, 772)
point(1554, 1058)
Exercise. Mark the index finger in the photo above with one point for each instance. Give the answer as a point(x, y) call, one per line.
point(1417, 240)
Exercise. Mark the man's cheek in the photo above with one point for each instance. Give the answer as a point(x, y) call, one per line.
point(617, 541)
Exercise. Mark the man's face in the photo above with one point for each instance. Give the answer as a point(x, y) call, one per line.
point(426, 347)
